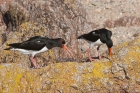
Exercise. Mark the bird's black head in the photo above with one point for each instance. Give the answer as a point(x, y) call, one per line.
point(109, 43)
point(57, 42)
point(61, 42)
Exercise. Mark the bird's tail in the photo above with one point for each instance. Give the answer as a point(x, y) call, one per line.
point(8, 48)
point(80, 37)
point(13, 45)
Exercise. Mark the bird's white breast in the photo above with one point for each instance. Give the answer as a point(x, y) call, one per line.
point(32, 52)
point(96, 43)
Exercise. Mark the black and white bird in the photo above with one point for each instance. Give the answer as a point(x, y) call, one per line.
point(38, 44)
point(98, 38)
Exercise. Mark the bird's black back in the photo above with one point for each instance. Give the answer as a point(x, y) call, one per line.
point(90, 36)
point(34, 43)
point(103, 34)
point(37, 43)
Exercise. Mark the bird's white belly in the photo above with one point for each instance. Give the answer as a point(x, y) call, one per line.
point(96, 43)
point(32, 52)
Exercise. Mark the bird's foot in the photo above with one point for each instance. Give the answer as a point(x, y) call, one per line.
point(91, 59)
point(37, 67)
point(33, 62)
point(100, 57)
point(110, 57)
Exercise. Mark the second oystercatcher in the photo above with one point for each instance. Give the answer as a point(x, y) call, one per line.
point(38, 44)
point(98, 38)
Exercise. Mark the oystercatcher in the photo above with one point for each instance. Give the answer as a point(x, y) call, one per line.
point(38, 44)
point(98, 38)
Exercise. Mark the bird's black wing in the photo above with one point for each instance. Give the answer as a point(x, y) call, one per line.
point(91, 36)
point(34, 43)
point(13, 45)
point(81, 37)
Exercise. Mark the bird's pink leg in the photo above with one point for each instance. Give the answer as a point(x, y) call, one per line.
point(89, 55)
point(99, 53)
point(33, 62)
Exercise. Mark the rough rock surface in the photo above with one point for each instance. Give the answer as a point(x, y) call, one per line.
point(22, 19)
point(119, 75)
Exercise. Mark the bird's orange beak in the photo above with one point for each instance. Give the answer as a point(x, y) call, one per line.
point(66, 48)
point(110, 52)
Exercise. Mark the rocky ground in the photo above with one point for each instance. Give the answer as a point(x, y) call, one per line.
point(119, 75)
point(22, 19)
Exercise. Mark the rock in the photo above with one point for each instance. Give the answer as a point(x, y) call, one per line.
point(22, 19)
point(67, 20)
point(99, 76)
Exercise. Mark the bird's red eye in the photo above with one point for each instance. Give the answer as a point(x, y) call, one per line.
point(60, 40)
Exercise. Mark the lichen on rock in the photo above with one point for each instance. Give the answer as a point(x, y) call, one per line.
point(69, 19)
point(77, 77)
